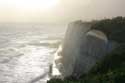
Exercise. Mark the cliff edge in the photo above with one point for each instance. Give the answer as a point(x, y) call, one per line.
point(82, 48)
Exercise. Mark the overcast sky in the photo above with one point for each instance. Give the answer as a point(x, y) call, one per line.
point(59, 11)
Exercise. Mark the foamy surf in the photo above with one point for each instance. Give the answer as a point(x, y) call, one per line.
point(25, 57)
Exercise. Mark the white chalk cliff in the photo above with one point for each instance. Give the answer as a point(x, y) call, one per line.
point(81, 49)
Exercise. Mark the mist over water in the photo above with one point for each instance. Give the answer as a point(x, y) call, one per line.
point(27, 50)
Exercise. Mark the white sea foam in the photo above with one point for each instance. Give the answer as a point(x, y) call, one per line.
point(25, 54)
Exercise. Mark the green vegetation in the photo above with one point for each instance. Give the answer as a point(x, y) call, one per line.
point(110, 69)
point(113, 28)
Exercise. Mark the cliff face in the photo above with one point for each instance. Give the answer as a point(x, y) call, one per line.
point(81, 49)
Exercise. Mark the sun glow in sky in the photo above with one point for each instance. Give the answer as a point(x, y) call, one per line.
point(26, 10)
point(59, 10)
point(29, 4)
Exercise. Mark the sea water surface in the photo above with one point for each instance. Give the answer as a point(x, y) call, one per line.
point(27, 50)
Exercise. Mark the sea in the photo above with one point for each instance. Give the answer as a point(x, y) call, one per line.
point(27, 50)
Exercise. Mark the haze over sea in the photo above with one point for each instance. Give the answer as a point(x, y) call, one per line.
point(27, 50)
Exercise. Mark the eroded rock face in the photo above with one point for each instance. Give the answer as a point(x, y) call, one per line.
point(81, 49)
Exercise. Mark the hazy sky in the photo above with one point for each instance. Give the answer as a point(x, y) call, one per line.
point(59, 11)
